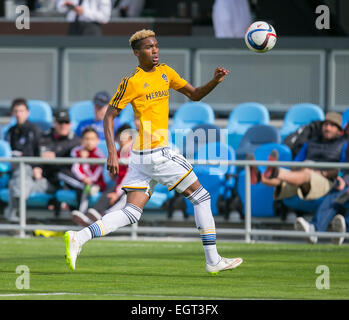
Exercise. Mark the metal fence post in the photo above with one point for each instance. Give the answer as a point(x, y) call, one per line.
point(134, 228)
point(22, 201)
point(247, 204)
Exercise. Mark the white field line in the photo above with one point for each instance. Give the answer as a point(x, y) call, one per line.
point(9, 295)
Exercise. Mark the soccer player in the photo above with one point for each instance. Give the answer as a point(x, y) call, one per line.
point(151, 160)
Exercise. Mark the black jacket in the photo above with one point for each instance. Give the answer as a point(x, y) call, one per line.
point(24, 139)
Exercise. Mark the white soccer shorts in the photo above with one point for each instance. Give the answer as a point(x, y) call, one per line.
point(160, 165)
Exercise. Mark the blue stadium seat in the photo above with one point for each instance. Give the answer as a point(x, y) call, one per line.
point(189, 115)
point(243, 117)
point(159, 196)
point(255, 137)
point(301, 205)
point(40, 111)
point(69, 197)
point(213, 177)
point(261, 195)
point(102, 145)
point(40, 114)
point(37, 199)
point(298, 115)
point(5, 167)
point(345, 118)
point(80, 111)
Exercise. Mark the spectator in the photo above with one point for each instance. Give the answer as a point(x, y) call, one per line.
point(332, 209)
point(309, 184)
point(85, 17)
point(23, 138)
point(113, 197)
point(57, 142)
point(231, 18)
point(87, 179)
point(101, 101)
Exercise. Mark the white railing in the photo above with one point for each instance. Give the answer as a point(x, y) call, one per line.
point(134, 230)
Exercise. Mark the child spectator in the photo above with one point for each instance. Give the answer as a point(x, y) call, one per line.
point(87, 178)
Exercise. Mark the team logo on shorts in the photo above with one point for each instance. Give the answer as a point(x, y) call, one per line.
point(164, 77)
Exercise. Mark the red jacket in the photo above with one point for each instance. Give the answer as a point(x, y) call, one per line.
point(92, 171)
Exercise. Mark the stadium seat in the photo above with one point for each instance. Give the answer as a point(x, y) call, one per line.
point(102, 145)
point(303, 206)
point(5, 167)
point(345, 118)
point(299, 115)
point(255, 137)
point(262, 201)
point(69, 197)
point(214, 178)
point(243, 117)
point(37, 199)
point(127, 116)
point(80, 111)
point(188, 116)
point(40, 114)
point(159, 197)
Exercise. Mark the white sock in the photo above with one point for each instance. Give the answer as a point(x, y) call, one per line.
point(201, 201)
point(110, 222)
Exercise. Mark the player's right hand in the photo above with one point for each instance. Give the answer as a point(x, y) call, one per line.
point(113, 163)
point(220, 74)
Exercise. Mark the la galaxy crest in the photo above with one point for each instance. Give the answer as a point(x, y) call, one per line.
point(164, 76)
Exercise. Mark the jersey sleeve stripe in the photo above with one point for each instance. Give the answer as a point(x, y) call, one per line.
point(122, 94)
point(119, 93)
point(122, 89)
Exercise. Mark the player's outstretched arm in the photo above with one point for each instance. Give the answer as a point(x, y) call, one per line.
point(108, 124)
point(198, 93)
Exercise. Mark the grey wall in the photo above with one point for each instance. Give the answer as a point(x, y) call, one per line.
point(63, 70)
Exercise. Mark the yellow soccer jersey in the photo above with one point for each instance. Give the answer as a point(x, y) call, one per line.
point(148, 92)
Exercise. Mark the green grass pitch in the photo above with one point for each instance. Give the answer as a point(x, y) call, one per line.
point(136, 270)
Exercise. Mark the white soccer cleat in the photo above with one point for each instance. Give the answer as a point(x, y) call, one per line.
point(223, 265)
point(302, 225)
point(338, 225)
point(72, 248)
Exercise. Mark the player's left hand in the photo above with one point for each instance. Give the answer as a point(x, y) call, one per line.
point(220, 74)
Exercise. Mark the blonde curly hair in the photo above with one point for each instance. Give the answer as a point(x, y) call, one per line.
point(140, 35)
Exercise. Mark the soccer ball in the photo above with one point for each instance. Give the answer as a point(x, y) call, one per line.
point(260, 37)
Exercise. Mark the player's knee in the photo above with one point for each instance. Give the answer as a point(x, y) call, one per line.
point(199, 195)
